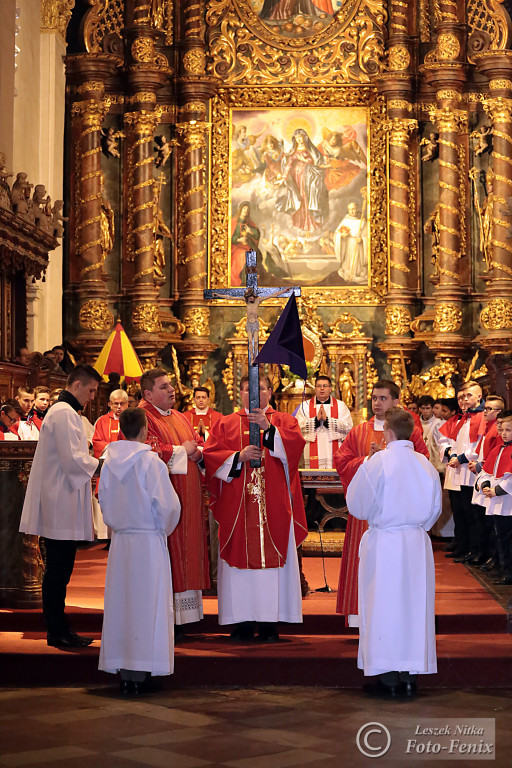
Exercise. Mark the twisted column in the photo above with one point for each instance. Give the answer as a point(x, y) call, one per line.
point(496, 316)
point(141, 241)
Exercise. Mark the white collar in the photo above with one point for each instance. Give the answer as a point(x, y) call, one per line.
point(164, 413)
point(201, 413)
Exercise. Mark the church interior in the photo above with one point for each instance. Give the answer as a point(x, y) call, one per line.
point(145, 147)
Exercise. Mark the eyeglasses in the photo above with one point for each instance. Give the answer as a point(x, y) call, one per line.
point(488, 410)
point(13, 421)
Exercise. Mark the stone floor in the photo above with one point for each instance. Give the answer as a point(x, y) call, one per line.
point(273, 727)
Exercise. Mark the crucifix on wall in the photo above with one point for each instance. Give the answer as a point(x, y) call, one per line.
point(253, 295)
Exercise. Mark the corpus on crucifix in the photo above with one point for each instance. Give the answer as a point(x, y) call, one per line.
point(253, 295)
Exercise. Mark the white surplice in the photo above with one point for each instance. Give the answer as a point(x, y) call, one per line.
point(325, 436)
point(266, 594)
point(142, 508)
point(58, 502)
point(398, 492)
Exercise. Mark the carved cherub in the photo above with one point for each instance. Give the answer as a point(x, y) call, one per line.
point(21, 194)
point(58, 219)
point(110, 142)
point(432, 147)
point(163, 152)
point(484, 143)
point(38, 204)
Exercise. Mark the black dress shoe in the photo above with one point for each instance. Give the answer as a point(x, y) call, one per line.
point(408, 689)
point(242, 632)
point(489, 565)
point(267, 632)
point(463, 558)
point(126, 687)
point(478, 560)
point(379, 690)
point(505, 580)
point(69, 640)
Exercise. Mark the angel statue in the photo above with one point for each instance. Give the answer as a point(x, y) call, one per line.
point(110, 141)
point(432, 147)
point(163, 152)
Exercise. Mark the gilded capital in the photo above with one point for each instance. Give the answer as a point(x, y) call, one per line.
point(55, 15)
point(399, 57)
point(143, 121)
point(500, 84)
point(498, 108)
point(399, 129)
point(91, 111)
point(194, 133)
point(447, 119)
point(194, 61)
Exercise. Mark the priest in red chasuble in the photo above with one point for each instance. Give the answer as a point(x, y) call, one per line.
point(170, 434)
point(261, 517)
point(360, 444)
point(201, 416)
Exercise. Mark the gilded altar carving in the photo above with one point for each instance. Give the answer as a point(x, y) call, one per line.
point(399, 58)
point(194, 61)
point(143, 52)
point(55, 14)
point(264, 97)
point(448, 318)
point(400, 104)
point(500, 84)
point(371, 374)
point(142, 96)
point(245, 49)
point(95, 316)
point(448, 46)
point(145, 317)
point(497, 315)
point(346, 319)
point(488, 23)
point(228, 376)
point(194, 134)
point(193, 106)
point(104, 18)
point(197, 321)
point(498, 108)
point(143, 121)
point(398, 320)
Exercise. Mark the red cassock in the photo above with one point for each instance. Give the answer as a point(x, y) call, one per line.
point(209, 418)
point(106, 430)
point(253, 535)
point(187, 543)
point(347, 461)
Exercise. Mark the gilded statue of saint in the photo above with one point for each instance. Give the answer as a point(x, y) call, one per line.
point(347, 386)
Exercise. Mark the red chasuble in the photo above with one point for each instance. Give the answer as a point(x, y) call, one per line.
point(209, 418)
point(187, 543)
point(251, 534)
point(106, 430)
point(347, 461)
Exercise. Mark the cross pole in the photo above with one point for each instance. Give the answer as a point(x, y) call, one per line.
point(251, 279)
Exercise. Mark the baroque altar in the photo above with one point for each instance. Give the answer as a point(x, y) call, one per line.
point(362, 149)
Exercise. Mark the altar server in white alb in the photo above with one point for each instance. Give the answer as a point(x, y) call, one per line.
point(398, 491)
point(324, 422)
point(58, 504)
point(142, 508)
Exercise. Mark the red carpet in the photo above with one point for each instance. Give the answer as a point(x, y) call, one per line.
point(472, 644)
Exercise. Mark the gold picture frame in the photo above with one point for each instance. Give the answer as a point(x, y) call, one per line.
point(228, 104)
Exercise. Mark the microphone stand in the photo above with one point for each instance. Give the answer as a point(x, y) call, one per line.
point(326, 588)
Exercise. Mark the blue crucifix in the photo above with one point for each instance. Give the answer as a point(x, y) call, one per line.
point(253, 295)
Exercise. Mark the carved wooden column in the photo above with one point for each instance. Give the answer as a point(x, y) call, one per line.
point(496, 317)
point(88, 74)
point(401, 126)
point(195, 88)
point(444, 70)
point(147, 70)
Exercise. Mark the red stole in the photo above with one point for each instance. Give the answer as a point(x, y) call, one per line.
point(208, 418)
point(313, 447)
point(504, 463)
point(252, 533)
point(347, 461)
point(489, 440)
point(476, 426)
point(187, 543)
point(106, 431)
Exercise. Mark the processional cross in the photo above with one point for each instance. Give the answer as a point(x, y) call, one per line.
point(253, 295)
